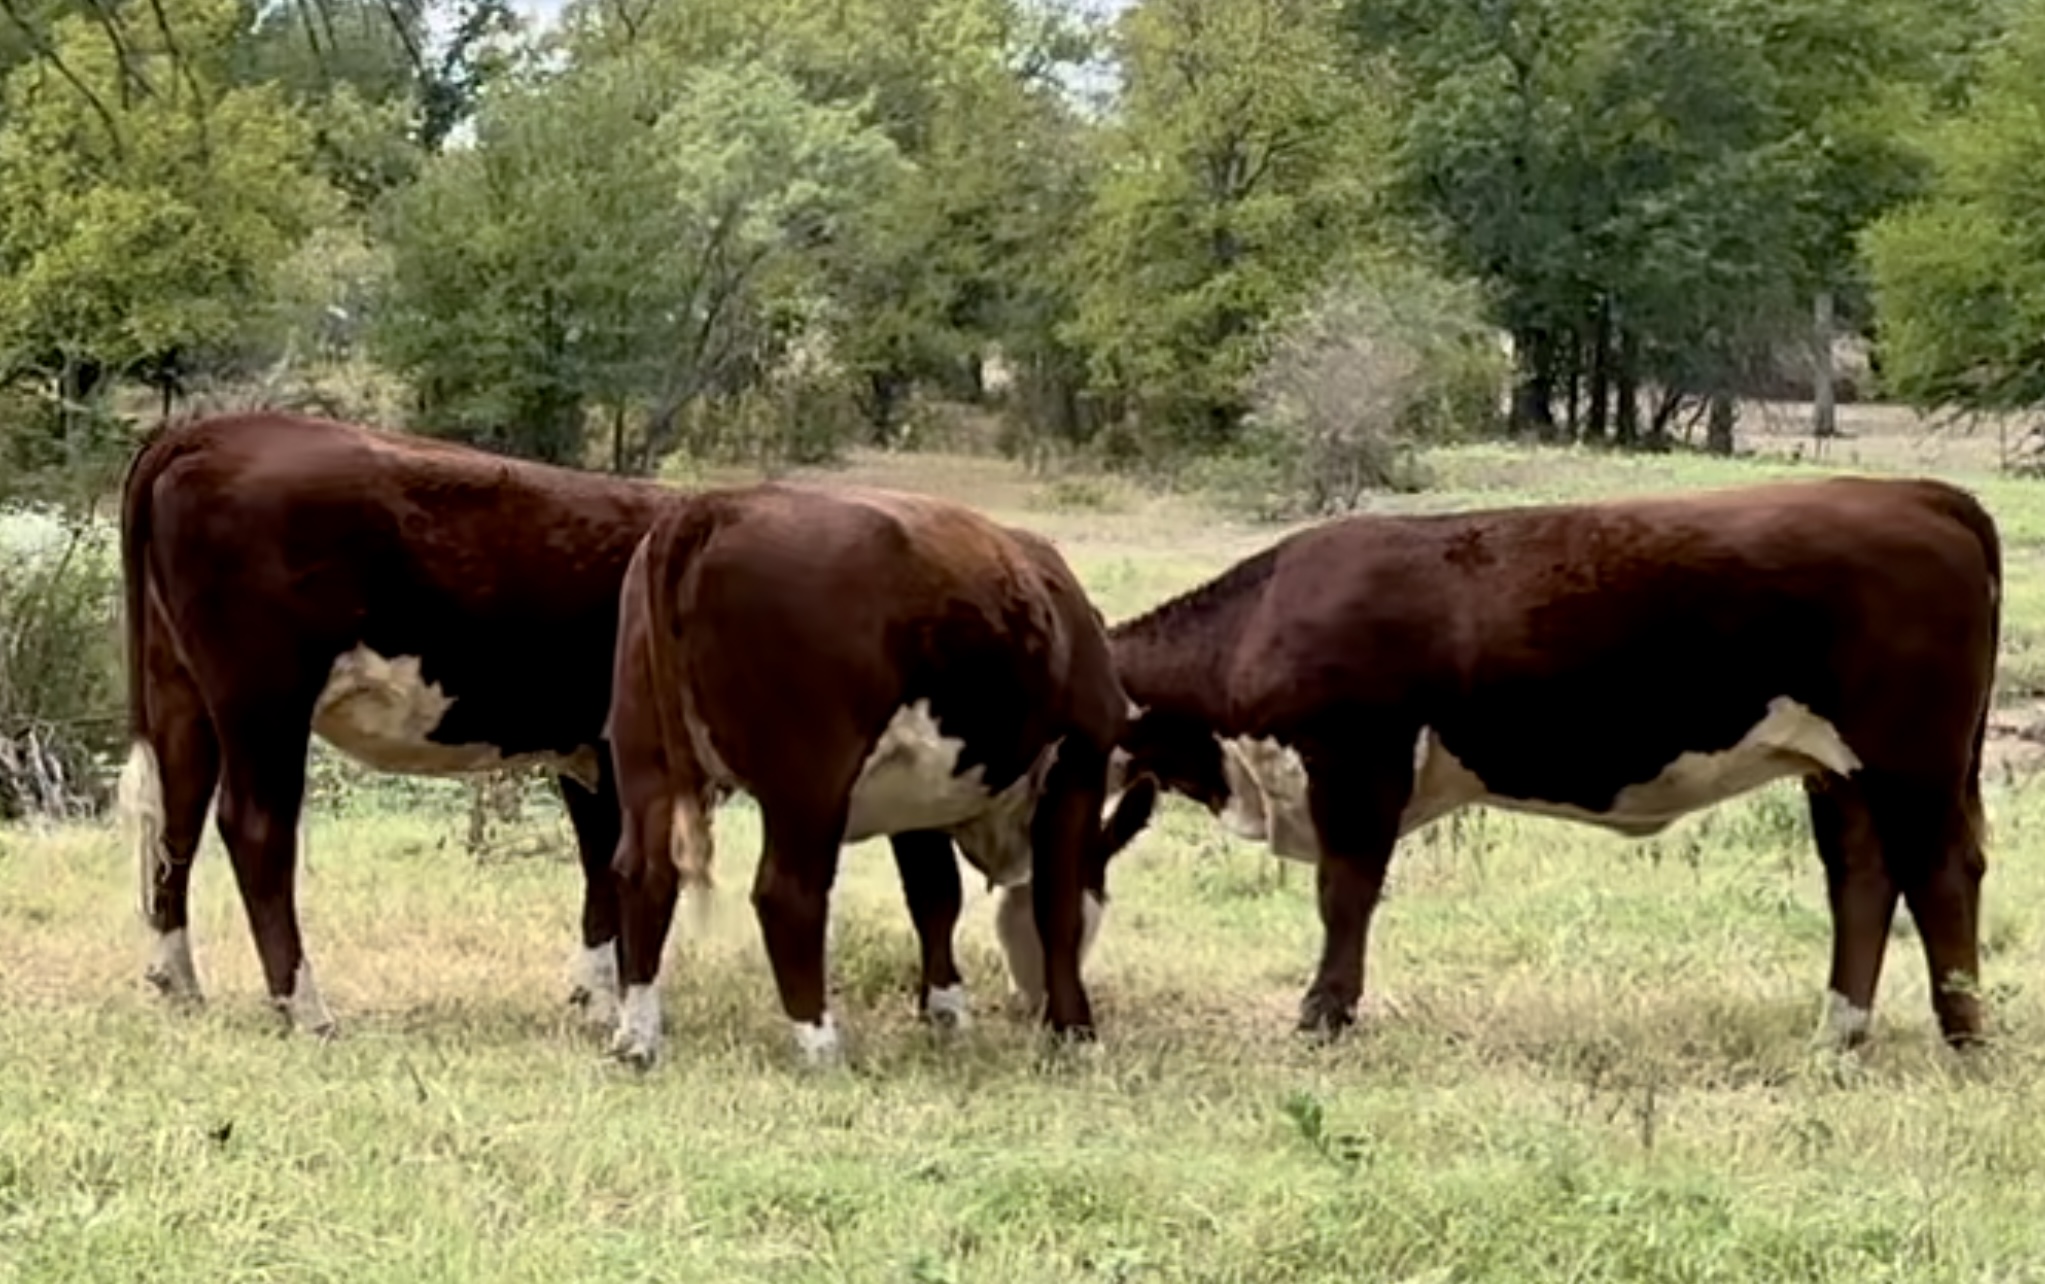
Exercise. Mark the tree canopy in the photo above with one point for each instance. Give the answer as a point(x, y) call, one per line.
point(662, 225)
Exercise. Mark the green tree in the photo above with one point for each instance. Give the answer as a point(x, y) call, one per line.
point(1655, 189)
point(1242, 166)
point(943, 266)
point(141, 224)
point(625, 236)
point(1959, 276)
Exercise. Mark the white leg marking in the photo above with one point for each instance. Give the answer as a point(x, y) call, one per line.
point(307, 1010)
point(139, 802)
point(1846, 1024)
point(638, 1038)
point(818, 1043)
point(593, 984)
point(171, 970)
point(946, 1006)
point(1015, 925)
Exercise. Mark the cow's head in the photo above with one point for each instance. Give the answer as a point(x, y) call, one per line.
point(1257, 788)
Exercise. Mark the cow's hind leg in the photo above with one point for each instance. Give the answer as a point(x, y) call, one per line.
point(930, 884)
point(594, 985)
point(791, 896)
point(165, 790)
point(1863, 900)
point(648, 885)
point(1931, 837)
point(262, 789)
point(1355, 808)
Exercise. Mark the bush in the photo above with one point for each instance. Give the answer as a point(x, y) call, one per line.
point(61, 698)
point(1352, 389)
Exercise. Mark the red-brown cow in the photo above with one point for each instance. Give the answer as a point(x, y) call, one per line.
point(864, 663)
point(1620, 663)
point(424, 607)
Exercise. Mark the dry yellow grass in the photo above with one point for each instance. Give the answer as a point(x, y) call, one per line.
point(1590, 1060)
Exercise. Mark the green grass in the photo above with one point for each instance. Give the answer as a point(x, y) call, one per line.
point(1587, 1059)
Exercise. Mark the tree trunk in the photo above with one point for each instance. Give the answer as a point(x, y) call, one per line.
point(1718, 424)
point(1573, 403)
point(1534, 388)
point(1824, 416)
point(1626, 389)
point(1601, 375)
point(618, 461)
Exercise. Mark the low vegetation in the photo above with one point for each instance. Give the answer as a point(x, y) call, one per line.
point(1586, 1059)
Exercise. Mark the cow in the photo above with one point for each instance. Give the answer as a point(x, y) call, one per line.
point(1620, 663)
point(424, 607)
point(864, 663)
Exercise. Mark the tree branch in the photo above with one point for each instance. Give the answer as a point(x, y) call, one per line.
point(48, 53)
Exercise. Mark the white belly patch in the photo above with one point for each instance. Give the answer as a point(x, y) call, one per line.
point(1268, 782)
point(910, 781)
point(381, 712)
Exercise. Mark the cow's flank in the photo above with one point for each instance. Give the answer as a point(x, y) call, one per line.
point(864, 664)
point(425, 608)
point(1621, 664)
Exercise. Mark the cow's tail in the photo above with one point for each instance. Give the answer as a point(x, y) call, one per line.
point(670, 548)
point(1968, 512)
point(138, 796)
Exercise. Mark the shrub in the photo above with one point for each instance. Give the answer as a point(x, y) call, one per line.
point(61, 699)
point(1353, 388)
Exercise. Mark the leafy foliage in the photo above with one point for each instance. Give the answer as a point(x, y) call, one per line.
point(1960, 276)
point(625, 235)
point(1377, 367)
point(1242, 169)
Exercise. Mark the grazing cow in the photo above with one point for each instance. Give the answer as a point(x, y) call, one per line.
point(864, 663)
point(426, 608)
point(1620, 663)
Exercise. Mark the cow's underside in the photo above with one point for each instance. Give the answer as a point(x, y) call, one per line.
point(1268, 800)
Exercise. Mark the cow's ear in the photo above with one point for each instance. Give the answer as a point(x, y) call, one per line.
point(1132, 812)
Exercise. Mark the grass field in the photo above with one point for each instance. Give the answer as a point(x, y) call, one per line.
point(1587, 1059)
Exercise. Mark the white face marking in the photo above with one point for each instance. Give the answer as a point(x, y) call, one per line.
point(307, 1010)
point(1845, 1024)
point(593, 984)
point(637, 1039)
point(818, 1043)
point(171, 969)
point(1267, 800)
point(139, 801)
point(1015, 926)
point(947, 1006)
point(1268, 782)
point(380, 712)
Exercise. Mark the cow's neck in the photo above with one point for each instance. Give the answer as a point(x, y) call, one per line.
point(1177, 656)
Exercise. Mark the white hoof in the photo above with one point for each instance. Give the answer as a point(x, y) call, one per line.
point(817, 1045)
point(171, 969)
point(593, 986)
point(947, 1007)
point(637, 1041)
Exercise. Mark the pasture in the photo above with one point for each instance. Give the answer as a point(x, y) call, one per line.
point(1583, 1058)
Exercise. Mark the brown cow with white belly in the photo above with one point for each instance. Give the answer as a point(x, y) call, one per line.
point(424, 607)
point(864, 663)
point(1619, 663)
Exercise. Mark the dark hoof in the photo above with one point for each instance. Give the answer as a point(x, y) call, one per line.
point(1324, 1022)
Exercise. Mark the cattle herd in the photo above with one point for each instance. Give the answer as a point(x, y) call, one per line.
point(864, 663)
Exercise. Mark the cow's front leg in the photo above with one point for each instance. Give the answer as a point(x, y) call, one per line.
point(930, 884)
point(1355, 805)
point(594, 987)
point(1015, 925)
